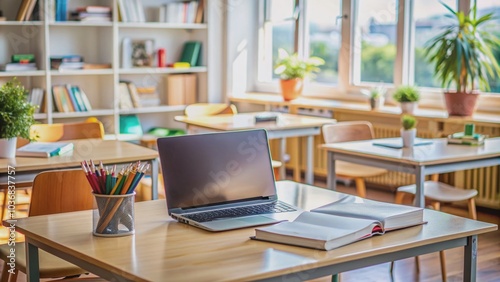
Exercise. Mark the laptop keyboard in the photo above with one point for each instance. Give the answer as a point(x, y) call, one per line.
point(275, 207)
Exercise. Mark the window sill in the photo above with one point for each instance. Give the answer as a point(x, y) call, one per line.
point(360, 108)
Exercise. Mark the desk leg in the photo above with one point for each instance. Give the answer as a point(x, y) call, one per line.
point(32, 263)
point(470, 259)
point(419, 193)
point(309, 160)
point(154, 179)
point(331, 181)
point(282, 156)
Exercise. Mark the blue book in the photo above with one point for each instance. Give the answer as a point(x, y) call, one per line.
point(44, 149)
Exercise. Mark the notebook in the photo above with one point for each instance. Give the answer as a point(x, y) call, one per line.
point(221, 181)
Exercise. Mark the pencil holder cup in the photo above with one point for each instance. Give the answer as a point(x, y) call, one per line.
point(114, 215)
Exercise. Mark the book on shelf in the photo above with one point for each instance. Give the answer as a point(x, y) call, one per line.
point(179, 12)
point(340, 223)
point(22, 58)
point(131, 11)
point(191, 53)
point(44, 149)
point(66, 62)
point(18, 67)
point(35, 97)
point(148, 96)
point(125, 101)
point(180, 89)
point(70, 98)
point(94, 9)
point(61, 10)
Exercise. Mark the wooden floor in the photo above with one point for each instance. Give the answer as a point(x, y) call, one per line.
point(488, 268)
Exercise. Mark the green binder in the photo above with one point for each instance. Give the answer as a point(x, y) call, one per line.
point(191, 53)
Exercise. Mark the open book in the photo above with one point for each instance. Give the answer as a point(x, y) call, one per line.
point(340, 223)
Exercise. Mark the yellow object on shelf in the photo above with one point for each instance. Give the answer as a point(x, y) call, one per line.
point(181, 65)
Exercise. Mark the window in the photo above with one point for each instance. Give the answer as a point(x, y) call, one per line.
point(429, 18)
point(485, 7)
point(323, 24)
point(325, 28)
point(375, 41)
point(363, 42)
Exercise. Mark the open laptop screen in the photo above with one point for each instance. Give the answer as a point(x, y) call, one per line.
point(206, 169)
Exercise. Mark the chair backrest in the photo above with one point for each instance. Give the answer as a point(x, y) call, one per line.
point(209, 109)
point(67, 131)
point(347, 131)
point(57, 191)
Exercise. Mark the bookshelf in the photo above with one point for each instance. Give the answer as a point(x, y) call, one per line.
point(101, 43)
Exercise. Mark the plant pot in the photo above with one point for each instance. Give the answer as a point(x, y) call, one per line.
point(408, 107)
point(8, 148)
point(408, 137)
point(291, 88)
point(460, 103)
point(377, 103)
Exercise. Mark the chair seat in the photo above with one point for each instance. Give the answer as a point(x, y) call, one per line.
point(441, 192)
point(276, 164)
point(352, 170)
point(50, 265)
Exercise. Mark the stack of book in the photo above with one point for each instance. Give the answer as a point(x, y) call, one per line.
point(44, 149)
point(20, 62)
point(91, 14)
point(67, 62)
point(461, 138)
point(148, 96)
point(70, 98)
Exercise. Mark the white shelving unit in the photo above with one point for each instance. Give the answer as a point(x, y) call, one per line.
point(100, 43)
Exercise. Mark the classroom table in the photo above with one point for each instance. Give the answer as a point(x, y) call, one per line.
point(434, 158)
point(110, 152)
point(286, 125)
point(162, 248)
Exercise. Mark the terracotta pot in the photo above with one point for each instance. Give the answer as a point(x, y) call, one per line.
point(460, 104)
point(291, 88)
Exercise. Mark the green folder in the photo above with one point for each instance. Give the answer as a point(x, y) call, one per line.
point(191, 53)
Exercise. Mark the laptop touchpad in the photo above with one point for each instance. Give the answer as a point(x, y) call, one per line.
point(227, 224)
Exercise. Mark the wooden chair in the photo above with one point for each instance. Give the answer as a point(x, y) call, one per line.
point(52, 133)
point(54, 191)
point(352, 131)
point(437, 193)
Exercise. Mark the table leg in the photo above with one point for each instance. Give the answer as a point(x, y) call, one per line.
point(154, 179)
point(419, 181)
point(331, 180)
point(470, 259)
point(295, 162)
point(282, 156)
point(32, 263)
point(309, 160)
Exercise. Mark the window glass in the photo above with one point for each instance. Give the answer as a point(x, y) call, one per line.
point(430, 18)
point(325, 36)
point(375, 41)
point(485, 7)
point(281, 25)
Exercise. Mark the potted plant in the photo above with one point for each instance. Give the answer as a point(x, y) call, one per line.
point(408, 97)
point(376, 95)
point(463, 59)
point(292, 71)
point(408, 130)
point(16, 117)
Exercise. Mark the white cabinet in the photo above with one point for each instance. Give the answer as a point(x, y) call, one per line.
point(101, 43)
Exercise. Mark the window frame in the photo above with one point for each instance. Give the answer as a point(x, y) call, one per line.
point(347, 89)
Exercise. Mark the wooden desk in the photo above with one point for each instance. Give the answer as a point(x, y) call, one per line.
point(108, 151)
point(287, 125)
point(162, 248)
point(438, 157)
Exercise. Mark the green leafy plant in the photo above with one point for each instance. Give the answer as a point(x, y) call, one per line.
point(291, 66)
point(408, 122)
point(462, 54)
point(16, 114)
point(375, 92)
point(406, 94)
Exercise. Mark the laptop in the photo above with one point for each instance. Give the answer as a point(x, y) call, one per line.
point(221, 181)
